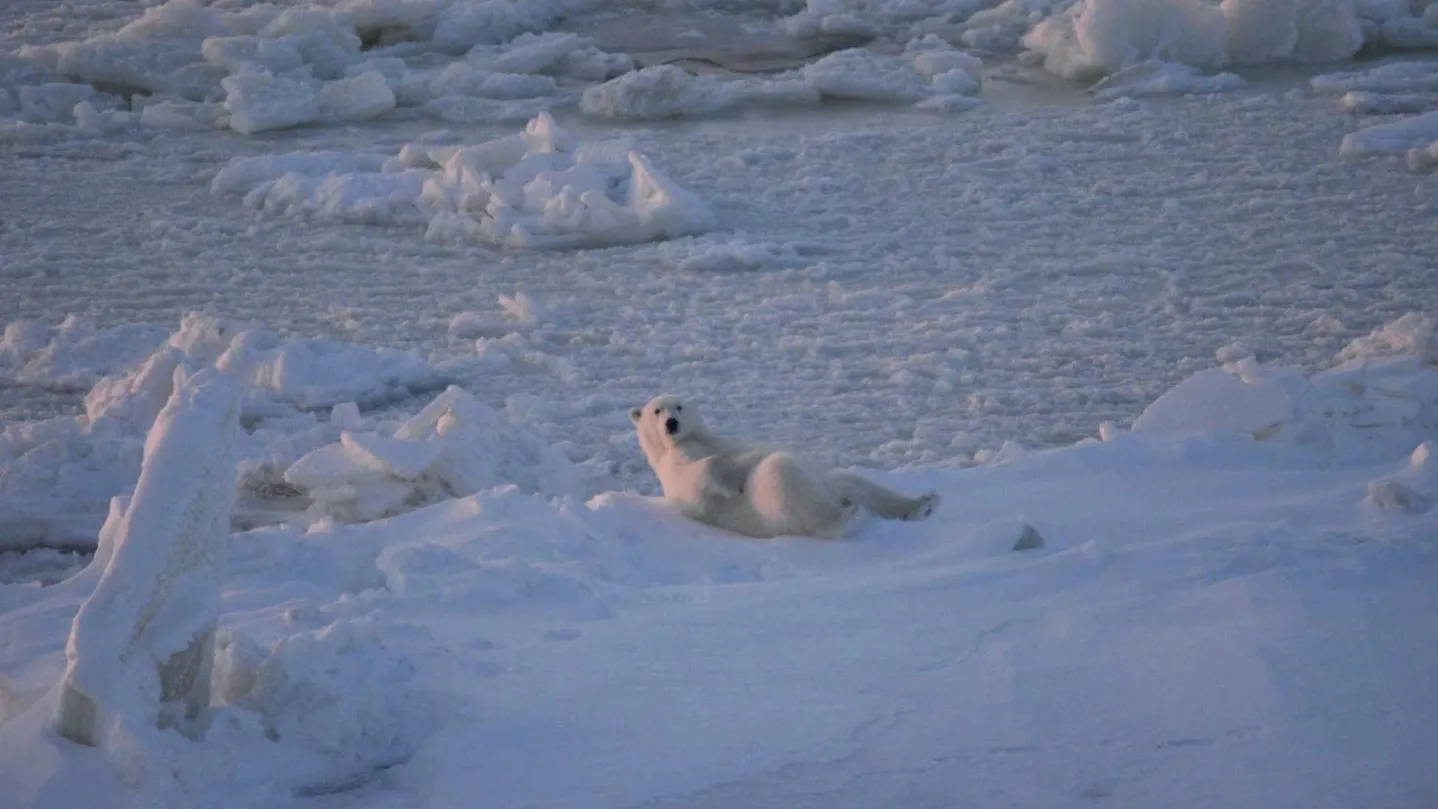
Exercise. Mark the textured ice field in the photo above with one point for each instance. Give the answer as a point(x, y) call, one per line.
point(907, 288)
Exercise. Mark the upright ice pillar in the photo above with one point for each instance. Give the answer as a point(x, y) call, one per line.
point(142, 646)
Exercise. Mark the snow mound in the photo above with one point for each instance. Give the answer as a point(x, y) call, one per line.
point(335, 692)
point(1379, 400)
point(537, 188)
point(1412, 491)
point(456, 446)
point(1092, 38)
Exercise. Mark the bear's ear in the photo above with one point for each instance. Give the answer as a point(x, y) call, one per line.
point(635, 414)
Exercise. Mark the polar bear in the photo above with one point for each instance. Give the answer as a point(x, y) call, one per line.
point(752, 489)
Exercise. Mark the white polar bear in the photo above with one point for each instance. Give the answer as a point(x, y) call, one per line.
point(752, 489)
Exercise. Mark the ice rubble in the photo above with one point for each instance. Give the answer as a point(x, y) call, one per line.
point(1092, 38)
point(538, 188)
point(142, 645)
point(74, 355)
point(1394, 88)
point(266, 67)
point(456, 446)
point(184, 65)
point(1415, 134)
point(662, 91)
point(929, 72)
point(1378, 401)
point(57, 475)
point(1162, 78)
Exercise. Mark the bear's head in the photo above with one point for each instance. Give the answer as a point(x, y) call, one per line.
point(663, 422)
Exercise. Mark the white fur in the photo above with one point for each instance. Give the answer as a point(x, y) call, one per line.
point(756, 490)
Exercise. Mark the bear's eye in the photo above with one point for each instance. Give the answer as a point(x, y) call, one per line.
point(657, 411)
point(678, 408)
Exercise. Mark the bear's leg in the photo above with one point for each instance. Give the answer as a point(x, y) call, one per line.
point(792, 500)
point(881, 501)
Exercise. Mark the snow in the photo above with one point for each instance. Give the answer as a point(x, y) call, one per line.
point(1095, 37)
point(57, 475)
point(1162, 78)
point(538, 188)
point(141, 649)
point(1394, 77)
point(859, 73)
point(1396, 137)
point(259, 102)
point(1363, 103)
point(73, 355)
point(368, 662)
point(1154, 351)
point(663, 91)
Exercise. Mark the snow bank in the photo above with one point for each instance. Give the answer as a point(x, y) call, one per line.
point(454, 447)
point(1378, 401)
point(142, 645)
point(537, 188)
point(1092, 38)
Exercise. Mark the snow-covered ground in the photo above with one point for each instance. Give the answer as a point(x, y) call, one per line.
point(443, 246)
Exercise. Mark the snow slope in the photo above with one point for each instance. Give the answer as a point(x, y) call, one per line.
point(1214, 619)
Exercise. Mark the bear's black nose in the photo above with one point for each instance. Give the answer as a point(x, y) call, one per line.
point(671, 426)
